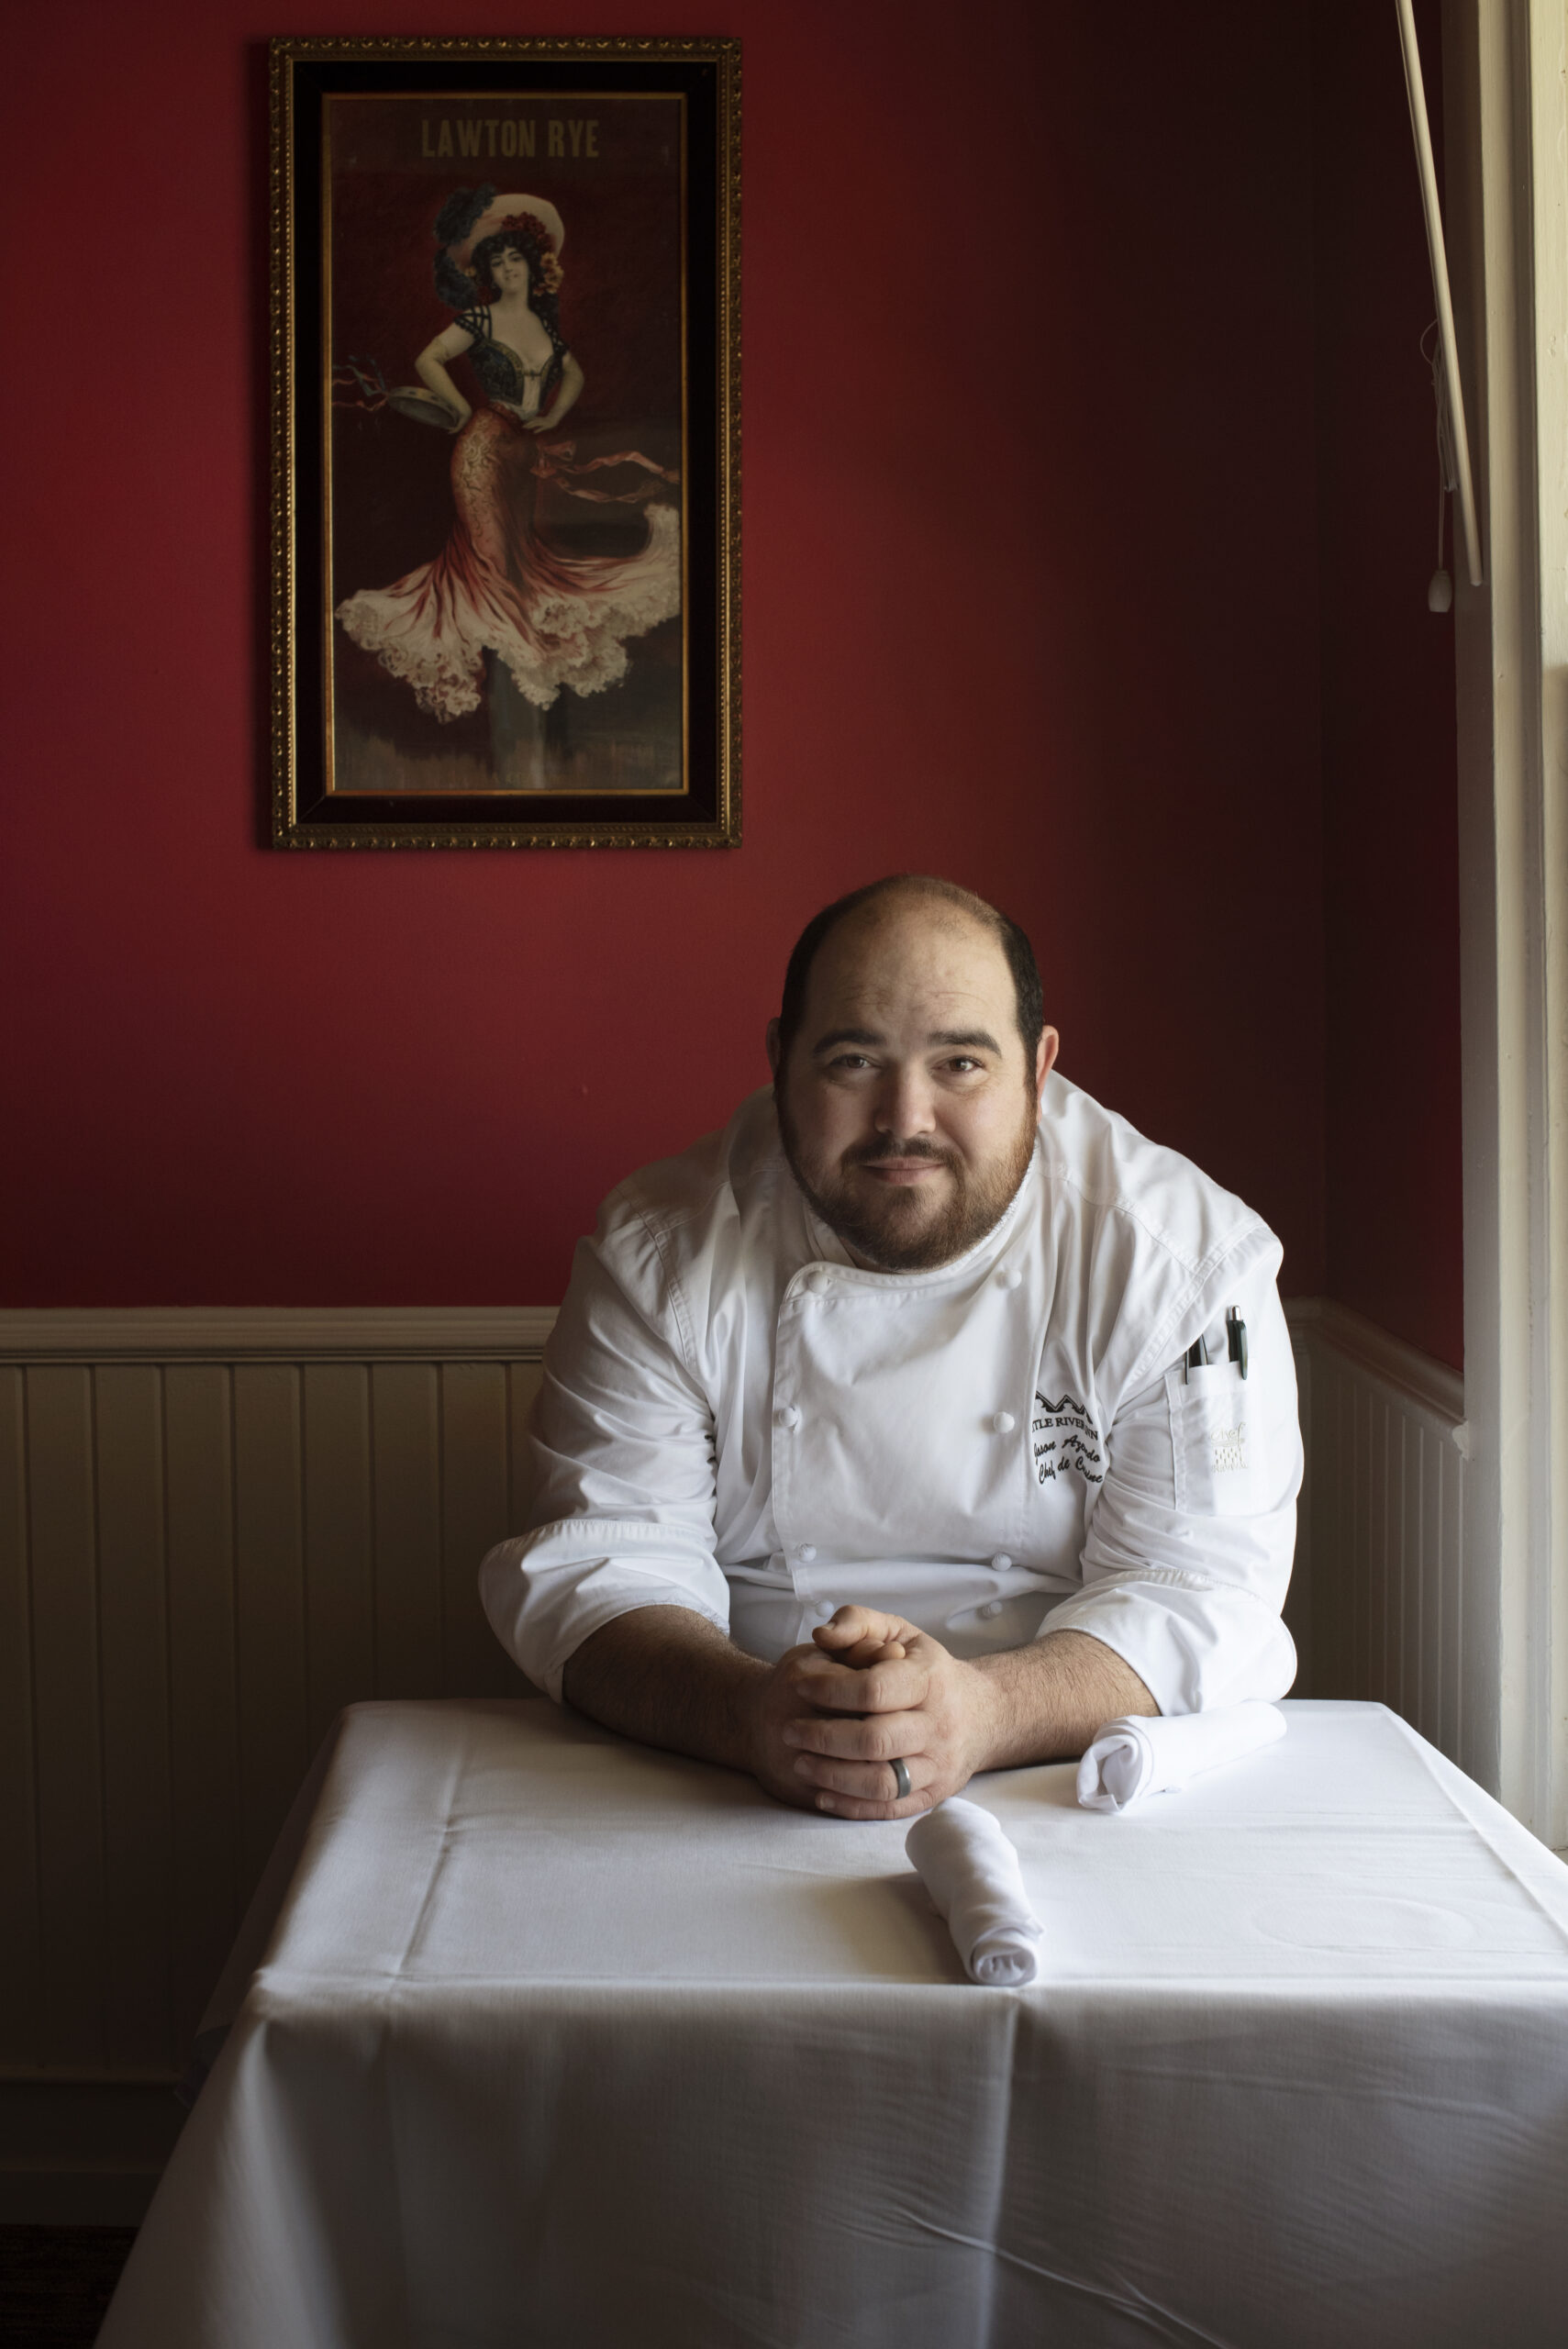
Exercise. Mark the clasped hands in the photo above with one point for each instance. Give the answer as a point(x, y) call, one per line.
point(833, 1716)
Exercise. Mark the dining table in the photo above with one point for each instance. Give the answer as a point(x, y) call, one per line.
point(538, 2036)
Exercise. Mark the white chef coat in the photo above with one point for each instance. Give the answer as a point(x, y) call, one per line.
point(735, 1418)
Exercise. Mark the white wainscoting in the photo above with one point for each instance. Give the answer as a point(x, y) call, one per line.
point(216, 1531)
point(1380, 1562)
point(218, 1528)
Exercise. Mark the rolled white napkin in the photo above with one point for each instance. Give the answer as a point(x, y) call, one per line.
point(971, 1872)
point(1131, 1758)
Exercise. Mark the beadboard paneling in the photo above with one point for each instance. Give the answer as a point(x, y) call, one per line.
point(1384, 1560)
point(21, 2037)
point(272, 1726)
point(133, 1637)
point(214, 1532)
point(66, 1713)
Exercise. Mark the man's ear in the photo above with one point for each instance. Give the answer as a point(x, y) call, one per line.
point(774, 1054)
point(1045, 1057)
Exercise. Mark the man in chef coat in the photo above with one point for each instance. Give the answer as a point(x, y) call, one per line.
point(923, 1419)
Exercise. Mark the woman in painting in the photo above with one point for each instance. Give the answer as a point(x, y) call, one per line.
point(497, 587)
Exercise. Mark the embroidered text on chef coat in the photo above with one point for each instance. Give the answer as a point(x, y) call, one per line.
point(1065, 1439)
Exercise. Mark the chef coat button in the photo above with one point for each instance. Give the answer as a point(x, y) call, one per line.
point(1004, 1422)
point(789, 1417)
point(822, 1613)
point(1010, 1278)
point(805, 1552)
point(1001, 1562)
point(818, 1285)
point(992, 1607)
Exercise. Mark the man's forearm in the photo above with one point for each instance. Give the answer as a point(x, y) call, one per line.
point(670, 1677)
point(1046, 1700)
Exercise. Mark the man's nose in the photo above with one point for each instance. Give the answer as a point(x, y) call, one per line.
point(905, 1104)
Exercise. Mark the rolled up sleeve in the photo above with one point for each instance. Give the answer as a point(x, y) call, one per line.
point(618, 1483)
point(1189, 1545)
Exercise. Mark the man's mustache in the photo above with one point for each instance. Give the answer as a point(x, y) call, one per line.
point(873, 1154)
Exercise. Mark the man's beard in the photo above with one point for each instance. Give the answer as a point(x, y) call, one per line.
point(887, 1227)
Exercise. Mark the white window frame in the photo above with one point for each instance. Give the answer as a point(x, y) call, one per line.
point(1505, 124)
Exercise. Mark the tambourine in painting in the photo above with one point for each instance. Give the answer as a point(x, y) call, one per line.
point(505, 550)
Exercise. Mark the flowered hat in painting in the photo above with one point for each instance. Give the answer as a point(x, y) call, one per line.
point(507, 212)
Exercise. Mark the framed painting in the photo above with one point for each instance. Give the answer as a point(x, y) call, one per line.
point(505, 435)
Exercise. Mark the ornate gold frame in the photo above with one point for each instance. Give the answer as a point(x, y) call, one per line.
point(710, 819)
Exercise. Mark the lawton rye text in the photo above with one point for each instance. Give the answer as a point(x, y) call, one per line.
point(507, 135)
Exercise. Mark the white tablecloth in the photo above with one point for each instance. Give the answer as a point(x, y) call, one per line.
point(562, 2041)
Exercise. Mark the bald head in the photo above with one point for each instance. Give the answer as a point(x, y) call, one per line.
point(883, 902)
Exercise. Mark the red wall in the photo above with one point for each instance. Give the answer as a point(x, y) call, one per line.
point(1029, 600)
point(1391, 864)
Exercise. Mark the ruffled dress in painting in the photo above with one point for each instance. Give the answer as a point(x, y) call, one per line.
point(555, 619)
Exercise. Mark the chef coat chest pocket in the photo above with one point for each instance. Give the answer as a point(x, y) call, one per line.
point(901, 1418)
point(1216, 1439)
